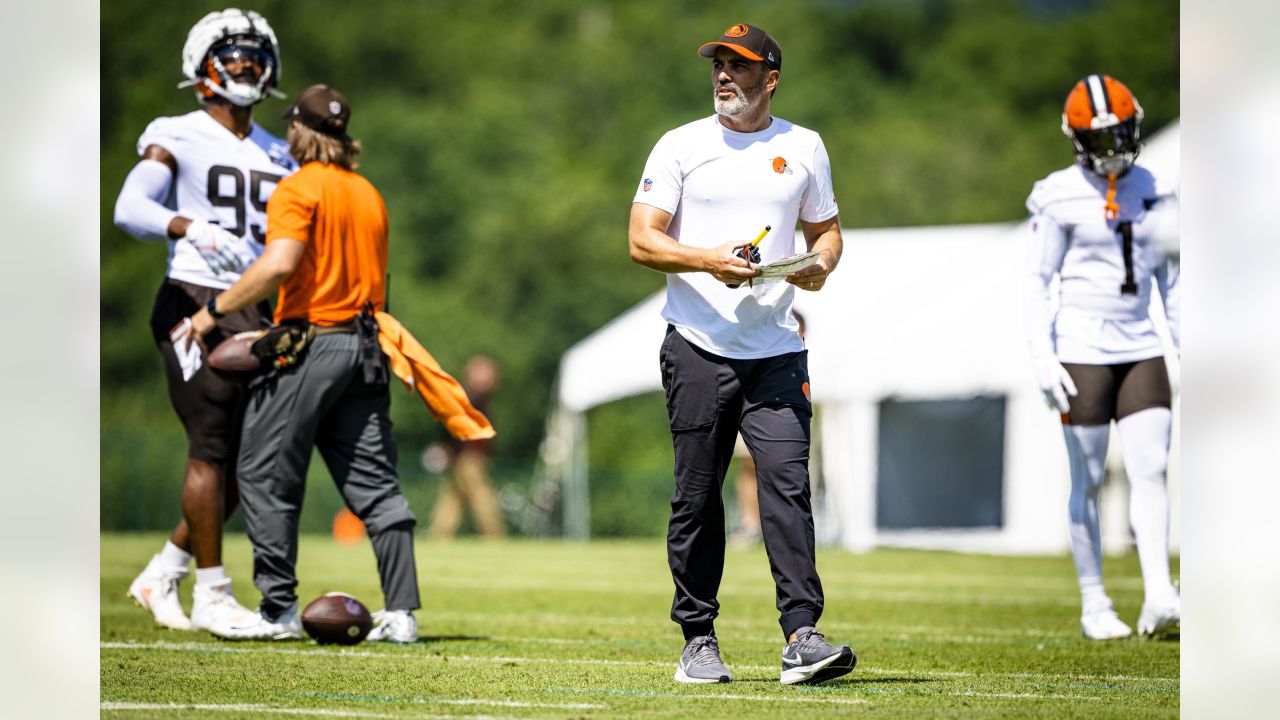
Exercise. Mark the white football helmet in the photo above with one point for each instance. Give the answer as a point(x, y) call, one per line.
point(220, 37)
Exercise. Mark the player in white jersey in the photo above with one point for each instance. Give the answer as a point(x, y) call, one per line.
point(1094, 225)
point(732, 360)
point(202, 185)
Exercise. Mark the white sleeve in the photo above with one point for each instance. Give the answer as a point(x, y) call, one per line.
point(819, 198)
point(663, 181)
point(1044, 258)
point(1167, 280)
point(140, 209)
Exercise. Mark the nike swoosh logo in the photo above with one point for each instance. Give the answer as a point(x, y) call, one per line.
point(794, 660)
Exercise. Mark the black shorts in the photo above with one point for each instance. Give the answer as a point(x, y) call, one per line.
point(1113, 392)
point(211, 403)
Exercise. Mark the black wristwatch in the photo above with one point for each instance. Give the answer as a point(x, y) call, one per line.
point(211, 306)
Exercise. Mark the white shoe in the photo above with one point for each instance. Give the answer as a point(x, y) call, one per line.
point(1159, 616)
point(156, 591)
point(216, 609)
point(394, 626)
point(1102, 623)
point(285, 627)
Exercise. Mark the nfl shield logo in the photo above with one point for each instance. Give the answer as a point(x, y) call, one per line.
point(648, 184)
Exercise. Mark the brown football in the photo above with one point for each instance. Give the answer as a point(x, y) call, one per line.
point(234, 354)
point(337, 619)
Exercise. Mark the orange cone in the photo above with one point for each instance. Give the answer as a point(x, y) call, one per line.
point(347, 528)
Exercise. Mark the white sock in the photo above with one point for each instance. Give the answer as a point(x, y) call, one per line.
point(1144, 442)
point(1087, 452)
point(215, 575)
point(1093, 596)
point(173, 556)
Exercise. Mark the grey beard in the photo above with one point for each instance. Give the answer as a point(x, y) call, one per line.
point(731, 108)
point(745, 100)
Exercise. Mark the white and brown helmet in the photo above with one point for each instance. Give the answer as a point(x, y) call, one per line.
point(222, 37)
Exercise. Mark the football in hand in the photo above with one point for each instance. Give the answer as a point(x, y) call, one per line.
point(235, 354)
point(337, 619)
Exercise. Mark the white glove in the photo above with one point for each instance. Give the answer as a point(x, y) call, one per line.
point(185, 348)
point(216, 246)
point(1056, 384)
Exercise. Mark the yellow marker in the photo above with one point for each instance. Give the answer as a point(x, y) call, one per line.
point(760, 237)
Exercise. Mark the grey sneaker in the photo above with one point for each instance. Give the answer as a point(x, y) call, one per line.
point(811, 659)
point(700, 662)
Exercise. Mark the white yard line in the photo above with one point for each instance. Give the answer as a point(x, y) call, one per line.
point(968, 639)
point(825, 699)
point(1024, 696)
point(860, 593)
point(231, 649)
point(661, 622)
point(350, 713)
point(121, 706)
point(398, 654)
point(767, 698)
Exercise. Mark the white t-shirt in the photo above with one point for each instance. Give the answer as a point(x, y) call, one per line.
point(1104, 289)
point(223, 180)
point(722, 185)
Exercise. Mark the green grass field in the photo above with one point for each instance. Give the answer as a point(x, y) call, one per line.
point(556, 630)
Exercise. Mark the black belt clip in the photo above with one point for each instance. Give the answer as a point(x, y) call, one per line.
point(372, 361)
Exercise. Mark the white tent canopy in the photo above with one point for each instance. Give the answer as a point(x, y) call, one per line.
point(912, 313)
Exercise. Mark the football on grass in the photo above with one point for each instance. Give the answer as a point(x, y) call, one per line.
point(337, 619)
point(235, 353)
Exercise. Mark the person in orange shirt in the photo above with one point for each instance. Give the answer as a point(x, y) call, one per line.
point(326, 253)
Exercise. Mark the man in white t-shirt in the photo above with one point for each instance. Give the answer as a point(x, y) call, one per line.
point(1096, 225)
point(202, 184)
point(732, 360)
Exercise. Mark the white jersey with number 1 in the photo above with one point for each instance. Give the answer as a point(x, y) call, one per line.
point(1105, 267)
point(223, 180)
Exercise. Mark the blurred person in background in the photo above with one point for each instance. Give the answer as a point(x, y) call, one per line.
point(732, 360)
point(326, 253)
point(469, 484)
point(1095, 225)
point(202, 185)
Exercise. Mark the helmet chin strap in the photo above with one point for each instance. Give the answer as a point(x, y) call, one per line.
point(1112, 209)
point(1101, 167)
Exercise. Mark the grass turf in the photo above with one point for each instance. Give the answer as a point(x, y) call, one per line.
point(563, 630)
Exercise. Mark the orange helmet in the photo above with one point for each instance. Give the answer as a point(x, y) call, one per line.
point(1104, 121)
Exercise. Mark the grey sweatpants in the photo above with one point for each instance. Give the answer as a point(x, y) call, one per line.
point(323, 402)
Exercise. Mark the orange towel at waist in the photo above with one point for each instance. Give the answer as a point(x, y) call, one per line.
point(442, 394)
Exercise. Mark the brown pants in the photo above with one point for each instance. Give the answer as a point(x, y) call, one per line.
point(1114, 392)
point(468, 485)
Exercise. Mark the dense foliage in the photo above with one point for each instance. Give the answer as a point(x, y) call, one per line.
point(508, 138)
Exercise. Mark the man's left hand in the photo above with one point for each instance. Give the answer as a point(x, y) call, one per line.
point(815, 276)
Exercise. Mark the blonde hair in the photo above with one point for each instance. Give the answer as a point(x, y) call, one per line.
point(307, 145)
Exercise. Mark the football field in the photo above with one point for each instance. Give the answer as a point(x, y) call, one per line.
point(563, 630)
